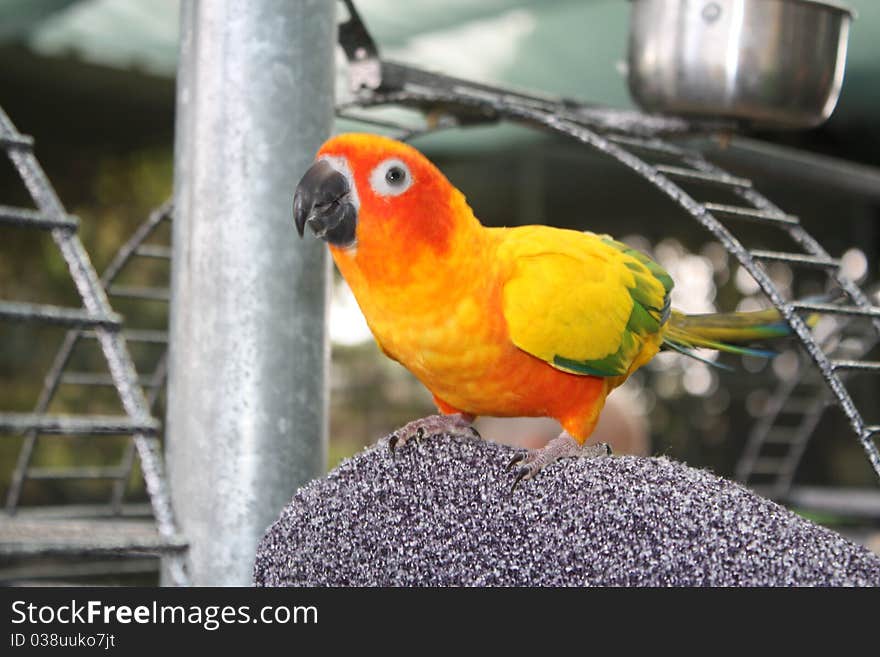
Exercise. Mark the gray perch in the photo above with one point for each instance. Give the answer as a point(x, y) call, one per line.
point(441, 513)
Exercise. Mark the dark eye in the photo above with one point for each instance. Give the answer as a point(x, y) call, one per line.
point(395, 176)
point(390, 177)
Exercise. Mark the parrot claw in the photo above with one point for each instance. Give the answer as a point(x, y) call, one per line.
point(456, 424)
point(522, 473)
point(516, 459)
point(563, 446)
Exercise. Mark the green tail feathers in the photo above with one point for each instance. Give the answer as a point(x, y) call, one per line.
point(725, 332)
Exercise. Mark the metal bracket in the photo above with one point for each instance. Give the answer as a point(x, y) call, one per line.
point(364, 66)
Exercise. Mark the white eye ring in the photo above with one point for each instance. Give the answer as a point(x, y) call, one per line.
point(391, 178)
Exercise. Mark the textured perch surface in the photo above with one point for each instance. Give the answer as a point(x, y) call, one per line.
point(441, 512)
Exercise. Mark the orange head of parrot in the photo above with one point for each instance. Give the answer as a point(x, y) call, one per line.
point(373, 192)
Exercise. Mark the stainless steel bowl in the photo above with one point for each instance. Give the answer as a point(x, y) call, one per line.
point(771, 62)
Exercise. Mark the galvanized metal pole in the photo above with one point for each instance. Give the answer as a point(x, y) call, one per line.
point(247, 396)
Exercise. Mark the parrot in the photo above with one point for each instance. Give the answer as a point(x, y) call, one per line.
point(524, 321)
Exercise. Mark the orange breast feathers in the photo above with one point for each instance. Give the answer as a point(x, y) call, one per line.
point(444, 322)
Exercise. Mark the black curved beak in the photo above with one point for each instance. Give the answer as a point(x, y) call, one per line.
point(323, 202)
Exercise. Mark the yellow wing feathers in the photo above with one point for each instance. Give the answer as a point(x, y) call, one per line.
point(582, 302)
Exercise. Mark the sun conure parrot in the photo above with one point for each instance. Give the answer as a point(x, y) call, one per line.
point(524, 321)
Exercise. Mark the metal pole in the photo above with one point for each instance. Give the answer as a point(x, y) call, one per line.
point(247, 396)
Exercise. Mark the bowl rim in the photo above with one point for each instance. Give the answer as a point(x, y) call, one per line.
point(827, 4)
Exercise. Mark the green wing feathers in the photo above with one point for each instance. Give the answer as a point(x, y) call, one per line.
point(719, 331)
point(643, 266)
point(649, 294)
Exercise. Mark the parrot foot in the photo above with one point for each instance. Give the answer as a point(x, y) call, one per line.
point(563, 446)
point(458, 424)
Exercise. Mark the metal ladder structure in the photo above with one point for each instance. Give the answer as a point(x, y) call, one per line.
point(779, 438)
point(59, 375)
point(643, 144)
point(92, 532)
point(777, 442)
